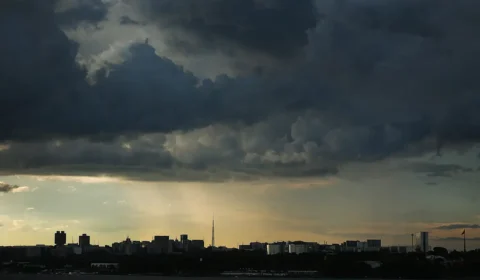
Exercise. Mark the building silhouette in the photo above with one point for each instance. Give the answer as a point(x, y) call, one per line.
point(184, 242)
point(161, 245)
point(60, 238)
point(421, 240)
point(196, 245)
point(84, 240)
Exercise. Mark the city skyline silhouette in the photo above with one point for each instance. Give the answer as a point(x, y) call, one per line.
point(314, 120)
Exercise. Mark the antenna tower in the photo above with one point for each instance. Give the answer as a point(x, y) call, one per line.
point(213, 231)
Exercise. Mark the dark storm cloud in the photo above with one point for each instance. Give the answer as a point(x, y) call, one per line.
point(458, 226)
point(392, 101)
point(39, 78)
point(215, 153)
point(403, 17)
point(44, 92)
point(405, 73)
point(272, 27)
point(144, 154)
point(374, 85)
point(5, 188)
point(70, 13)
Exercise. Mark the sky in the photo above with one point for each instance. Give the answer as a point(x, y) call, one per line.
point(321, 120)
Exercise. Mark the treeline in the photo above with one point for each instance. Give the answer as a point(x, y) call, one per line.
point(208, 263)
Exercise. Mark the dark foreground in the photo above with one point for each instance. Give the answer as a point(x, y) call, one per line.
point(208, 265)
point(120, 277)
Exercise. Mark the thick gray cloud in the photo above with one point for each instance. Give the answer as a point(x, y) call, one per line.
point(376, 79)
point(37, 69)
point(274, 148)
point(278, 28)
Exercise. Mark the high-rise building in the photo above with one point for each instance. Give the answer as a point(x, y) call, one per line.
point(421, 239)
point(161, 245)
point(184, 237)
point(60, 238)
point(184, 241)
point(84, 240)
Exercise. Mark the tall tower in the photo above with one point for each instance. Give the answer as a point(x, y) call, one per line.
point(213, 231)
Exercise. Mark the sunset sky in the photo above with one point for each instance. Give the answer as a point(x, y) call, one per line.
point(288, 120)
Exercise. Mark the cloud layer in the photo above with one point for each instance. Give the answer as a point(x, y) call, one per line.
point(367, 80)
point(458, 226)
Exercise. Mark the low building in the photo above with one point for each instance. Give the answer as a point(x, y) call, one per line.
point(336, 247)
point(298, 248)
point(397, 249)
point(77, 250)
point(36, 251)
point(196, 245)
point(126, 247)
point(257, 246)
point(74, 249)
point(371, 245)
point(245, 248)
point(361, 246)
point(350, 246)
point(374, 243)
point(60, 252)
point(159, 245)
point(276, 248)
